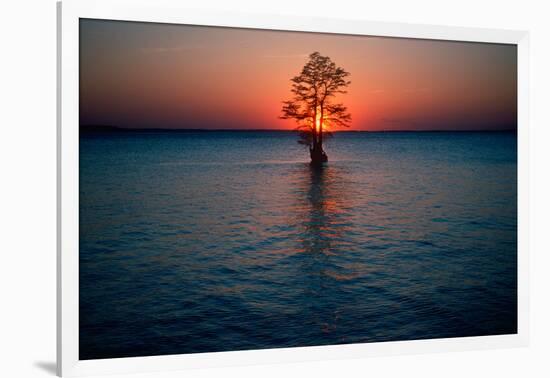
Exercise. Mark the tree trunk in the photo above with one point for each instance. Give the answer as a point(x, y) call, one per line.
point(318, 156)
point(321, 128)
point(315, 135)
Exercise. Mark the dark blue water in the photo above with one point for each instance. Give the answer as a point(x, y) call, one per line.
point(201, 242)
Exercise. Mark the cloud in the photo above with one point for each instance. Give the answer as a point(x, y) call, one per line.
point(409, 90)
point(285, 56)
point(416, 90)
point(169, 49)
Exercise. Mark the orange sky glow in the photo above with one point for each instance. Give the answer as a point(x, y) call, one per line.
point(146, 75)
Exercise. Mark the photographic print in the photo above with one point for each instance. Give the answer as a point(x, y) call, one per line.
point(249, 189)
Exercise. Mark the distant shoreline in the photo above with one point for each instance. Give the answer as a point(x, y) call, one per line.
point(115, 129)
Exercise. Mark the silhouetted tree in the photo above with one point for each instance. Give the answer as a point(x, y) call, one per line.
point(312, 105)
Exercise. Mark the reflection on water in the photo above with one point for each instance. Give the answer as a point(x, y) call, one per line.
point(319, 218)
point(209, 242)
point(320, 228)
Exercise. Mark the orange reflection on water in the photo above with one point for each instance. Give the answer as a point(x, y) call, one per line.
point(319, 210)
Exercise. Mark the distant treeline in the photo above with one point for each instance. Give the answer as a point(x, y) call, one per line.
point(115, 129)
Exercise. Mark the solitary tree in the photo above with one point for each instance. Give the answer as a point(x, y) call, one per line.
point(312, 105)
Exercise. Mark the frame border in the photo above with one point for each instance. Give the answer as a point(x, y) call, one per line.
point(171, 11)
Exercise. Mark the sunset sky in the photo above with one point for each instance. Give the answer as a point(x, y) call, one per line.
point(147, 75)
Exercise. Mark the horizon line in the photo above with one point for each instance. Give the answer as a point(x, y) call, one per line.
point(106, 128)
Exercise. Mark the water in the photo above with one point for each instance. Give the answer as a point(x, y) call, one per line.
point(200, 242)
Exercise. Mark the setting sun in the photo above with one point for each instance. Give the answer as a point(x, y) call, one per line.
point(318, 122)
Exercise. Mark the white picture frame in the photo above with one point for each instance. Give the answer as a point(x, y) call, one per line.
point(171, 11)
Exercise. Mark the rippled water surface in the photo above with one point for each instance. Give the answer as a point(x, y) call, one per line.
point(200, 242)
